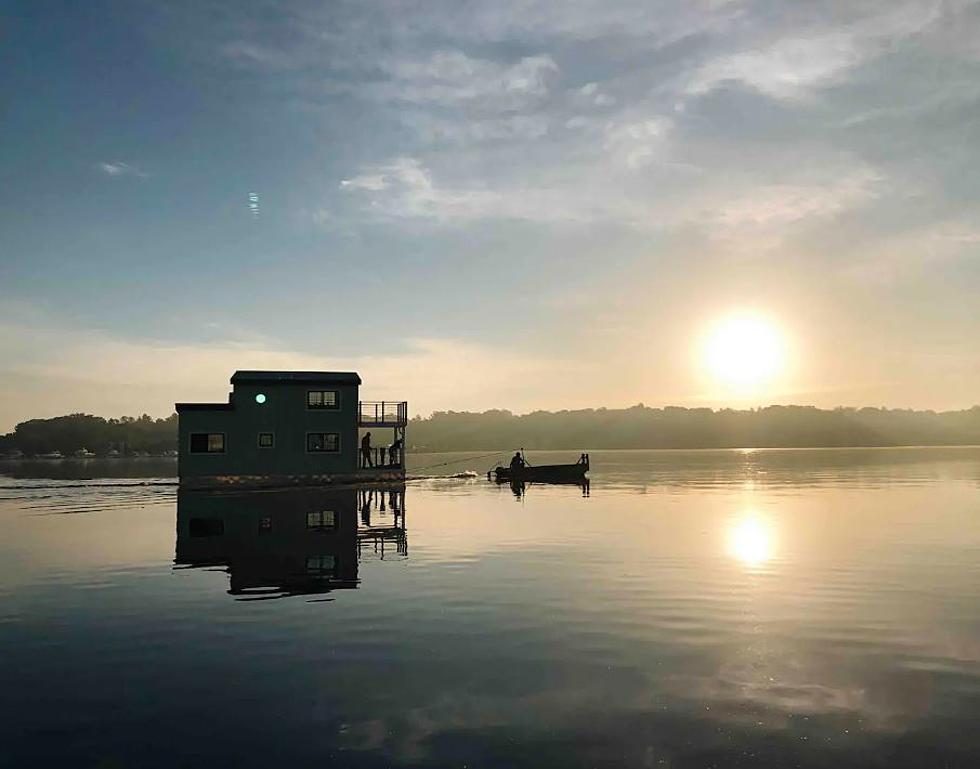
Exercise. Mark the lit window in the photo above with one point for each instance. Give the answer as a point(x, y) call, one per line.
point(260, 398)
point(322, 399)
point(267, 440)
point(207, 443)
point(323, 442)
point(321, 519)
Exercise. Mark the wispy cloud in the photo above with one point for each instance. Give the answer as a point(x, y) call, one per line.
point(117, 168)
point(451, 77)
point(789, 69)
point(793, 66)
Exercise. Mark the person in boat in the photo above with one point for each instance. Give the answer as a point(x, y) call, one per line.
point(517, 461)
point(366, 460)
point(394, 453)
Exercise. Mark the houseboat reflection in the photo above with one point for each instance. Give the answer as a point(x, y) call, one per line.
point(275, 544)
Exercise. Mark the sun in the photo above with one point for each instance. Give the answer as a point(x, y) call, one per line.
point(744, 352)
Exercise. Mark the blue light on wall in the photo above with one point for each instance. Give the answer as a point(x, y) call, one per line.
point(260, 398)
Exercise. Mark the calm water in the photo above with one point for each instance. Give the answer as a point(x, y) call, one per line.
point(689, 609)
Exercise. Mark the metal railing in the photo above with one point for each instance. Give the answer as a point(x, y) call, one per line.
point(381, 458)
point(382, 413)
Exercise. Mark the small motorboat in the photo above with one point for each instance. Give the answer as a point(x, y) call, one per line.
point(574, 473)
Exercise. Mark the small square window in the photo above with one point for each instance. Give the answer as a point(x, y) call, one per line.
point(265, 525)
point(267, 440)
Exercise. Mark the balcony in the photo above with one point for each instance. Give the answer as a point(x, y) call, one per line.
point(382, 413)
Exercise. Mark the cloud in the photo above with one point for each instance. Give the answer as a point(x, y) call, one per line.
point(794, 66)
point(450, 77)
point(635, 144)
point(910, 252)
point(781, 204)
point(592, 95)
point(117, 168)
point(405, 188)
point(789, 69)
point(467, 130)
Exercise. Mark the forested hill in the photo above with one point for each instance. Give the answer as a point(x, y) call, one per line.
point(641, 427)
point(67, 434)
point(638, 427)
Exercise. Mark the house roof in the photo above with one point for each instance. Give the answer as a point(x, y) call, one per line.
point(203, 407)
point(305, 377)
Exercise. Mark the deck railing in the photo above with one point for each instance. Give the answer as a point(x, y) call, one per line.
point(382, 413)
point(382, 458)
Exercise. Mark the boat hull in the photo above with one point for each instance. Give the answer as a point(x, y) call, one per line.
point(553, 473)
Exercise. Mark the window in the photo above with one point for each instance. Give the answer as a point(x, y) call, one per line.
point(322, 399)
point(265, 525)
point(321, 519)
point(267, 440)
point(320, 564)
point(207, 443)
point(323, 442)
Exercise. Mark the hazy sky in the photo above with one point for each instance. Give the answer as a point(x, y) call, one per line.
point(510, 204)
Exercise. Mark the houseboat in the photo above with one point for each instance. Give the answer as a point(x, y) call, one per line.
point(291, 428)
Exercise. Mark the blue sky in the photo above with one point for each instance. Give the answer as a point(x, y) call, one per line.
point(514, 204)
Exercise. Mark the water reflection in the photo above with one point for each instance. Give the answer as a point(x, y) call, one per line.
point(750, 540)
point(275, 544)
point(519, 488)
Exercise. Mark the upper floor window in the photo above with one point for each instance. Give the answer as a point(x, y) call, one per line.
point(323, 442)
point(267, 440)
point(322, 399)
point(207, 443)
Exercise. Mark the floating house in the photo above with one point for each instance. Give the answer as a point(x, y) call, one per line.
point(284, 428)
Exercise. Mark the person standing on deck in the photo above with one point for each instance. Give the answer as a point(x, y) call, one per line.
point(394, 453)
point(366, 460)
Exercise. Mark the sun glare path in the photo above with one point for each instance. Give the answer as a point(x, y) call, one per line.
point(750, 541)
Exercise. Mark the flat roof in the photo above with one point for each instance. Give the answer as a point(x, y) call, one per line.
point(308, 377)
point(203, 407)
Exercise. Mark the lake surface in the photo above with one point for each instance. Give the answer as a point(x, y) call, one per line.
point(815, 608)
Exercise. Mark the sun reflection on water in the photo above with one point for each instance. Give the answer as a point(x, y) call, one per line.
point(750, 540)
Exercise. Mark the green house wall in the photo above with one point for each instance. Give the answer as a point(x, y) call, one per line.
point(283, 413)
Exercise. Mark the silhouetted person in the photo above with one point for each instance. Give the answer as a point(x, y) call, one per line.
point(394, 453)
point(516, 461)
point(366, 460)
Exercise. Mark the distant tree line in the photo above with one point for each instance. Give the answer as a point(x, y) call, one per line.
point(71, 433)
point(638, 427)
point(641, 427)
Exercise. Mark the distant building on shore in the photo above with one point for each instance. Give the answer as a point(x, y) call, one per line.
point(282, 428)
